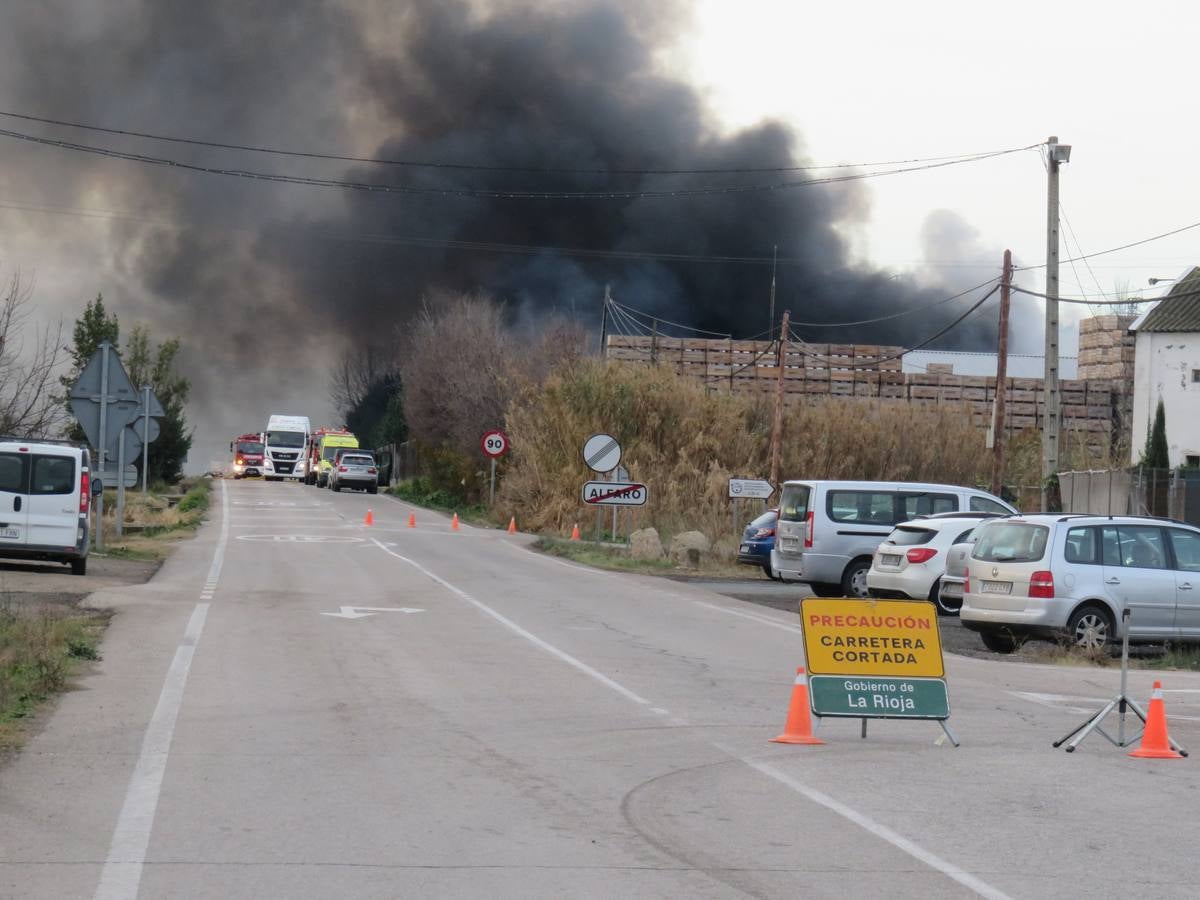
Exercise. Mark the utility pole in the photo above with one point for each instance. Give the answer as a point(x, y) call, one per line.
point(777, 424)
point(604, 321)
point(771, 314)
point(1056, 154)
point(998, 430)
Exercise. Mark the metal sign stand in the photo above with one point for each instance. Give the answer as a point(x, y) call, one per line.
point(1120, 702)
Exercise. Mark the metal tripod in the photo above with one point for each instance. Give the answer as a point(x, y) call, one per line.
point(1121, 703)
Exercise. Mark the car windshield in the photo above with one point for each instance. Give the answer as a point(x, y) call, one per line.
point(1011, 542)
point(249, 447)
point(285, 438)
point(357, 461)
point(793, 505)
point(330, 453)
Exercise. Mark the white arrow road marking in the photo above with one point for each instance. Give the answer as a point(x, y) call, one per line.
point(361, 612)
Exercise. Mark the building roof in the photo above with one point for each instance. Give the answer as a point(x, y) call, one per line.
point(1178, 310)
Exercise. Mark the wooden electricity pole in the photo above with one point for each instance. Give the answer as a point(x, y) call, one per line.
point(777, 424)
point(998, 429)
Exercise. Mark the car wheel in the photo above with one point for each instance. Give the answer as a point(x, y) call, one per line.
point(1000, 641)
point(946, 606)
point(1090, 628)
point(373, 489)
point(79, 566)
point(854, 580)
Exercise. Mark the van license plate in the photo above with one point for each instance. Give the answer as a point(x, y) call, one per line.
point(995, 587)
point(9, 533)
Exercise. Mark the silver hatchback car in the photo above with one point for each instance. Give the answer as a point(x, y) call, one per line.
point(1075, 575)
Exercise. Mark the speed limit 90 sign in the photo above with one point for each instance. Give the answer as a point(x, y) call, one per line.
point(495, 444)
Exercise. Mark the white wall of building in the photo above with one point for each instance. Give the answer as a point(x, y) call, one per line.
point(1163, 367)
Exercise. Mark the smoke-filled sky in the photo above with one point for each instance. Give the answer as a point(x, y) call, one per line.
point(269, 283)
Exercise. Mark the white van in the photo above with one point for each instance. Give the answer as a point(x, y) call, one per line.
point(45, 492)
point(284, 444)
point(829, 530)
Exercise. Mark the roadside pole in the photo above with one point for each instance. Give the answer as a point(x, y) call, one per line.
point(998, 429)
point(492, 494)
point(777, 423)
point(104, 348)
point(146, 437)
point(121, 483)
point(604, 322)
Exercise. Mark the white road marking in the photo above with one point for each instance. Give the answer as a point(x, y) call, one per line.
point(899, 841)
point(894, 838)
point(1060, 701)
point(361, 612)
point(517, 629)
point(122, 873)
point(558, 562)
point(762, 620)
point(301, 538)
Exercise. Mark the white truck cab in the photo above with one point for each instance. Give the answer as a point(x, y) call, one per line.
point(284, 445)
point(45, 495)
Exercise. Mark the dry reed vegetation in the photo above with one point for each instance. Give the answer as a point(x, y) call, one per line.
point(685, 444)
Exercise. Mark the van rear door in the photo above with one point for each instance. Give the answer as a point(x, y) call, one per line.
point(14, 498)
point(53, 501)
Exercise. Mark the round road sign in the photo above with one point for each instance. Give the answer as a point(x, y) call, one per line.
point(602, 453)
point(494, 443)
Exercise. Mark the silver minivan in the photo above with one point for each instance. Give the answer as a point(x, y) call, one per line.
point(45, 492)
point(1075, 575)
point(829, 530)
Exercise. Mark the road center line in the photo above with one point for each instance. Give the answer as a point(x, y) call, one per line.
point(862, 821)
point(762, 620)
point(121, 876)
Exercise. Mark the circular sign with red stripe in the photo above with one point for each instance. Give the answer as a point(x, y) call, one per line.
point(494, 443)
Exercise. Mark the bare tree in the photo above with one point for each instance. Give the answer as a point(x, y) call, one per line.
point(29, 364)
point(356, 374)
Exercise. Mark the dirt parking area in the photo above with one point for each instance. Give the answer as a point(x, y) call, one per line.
point(53, 584)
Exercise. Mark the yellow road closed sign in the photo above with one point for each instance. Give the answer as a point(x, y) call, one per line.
point(871, 637)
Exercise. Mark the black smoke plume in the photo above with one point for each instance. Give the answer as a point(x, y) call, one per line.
point(267, 283)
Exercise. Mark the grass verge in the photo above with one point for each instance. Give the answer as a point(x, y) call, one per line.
point(1141, 656)
point(601, 556)
point(421, 492)
point(156, 521)
point(40, 649)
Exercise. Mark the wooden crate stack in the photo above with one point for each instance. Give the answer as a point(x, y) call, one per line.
point(1106, 348)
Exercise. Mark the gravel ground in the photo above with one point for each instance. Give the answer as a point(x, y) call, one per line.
point(53, 583)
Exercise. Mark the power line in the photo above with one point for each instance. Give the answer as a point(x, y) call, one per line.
point(480, 167)
point(1157, 237)
point(662, 321)
point(929, 340)
point(1083, 301)
point(484, 193)
point(897, 315)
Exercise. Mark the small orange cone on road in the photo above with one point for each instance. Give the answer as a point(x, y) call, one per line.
point(512, 525)
point(370, 519)
point(575, 533)
point(412, 520)
point(454, 523)
point(798, 729)
point(1155, 743)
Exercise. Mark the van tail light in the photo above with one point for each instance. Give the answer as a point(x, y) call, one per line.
point(920, 554)
point(967, 584)
point(85, 491)
point(808, 530)
point(1041, 584)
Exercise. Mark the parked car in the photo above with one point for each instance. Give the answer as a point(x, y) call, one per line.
point(45, 493)
point(354, 469)
point(950, 593)
point(1075, 575)
point(911, 562)
point(828, 530)
point(757, 542)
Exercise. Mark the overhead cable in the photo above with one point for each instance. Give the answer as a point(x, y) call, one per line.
point(481, 167)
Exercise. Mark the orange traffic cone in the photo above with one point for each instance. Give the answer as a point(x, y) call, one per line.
point(1155, 743)
point(512, 525)
point(412, 520)
point(798, 729)
point(575, 532)
point(454, 523)
point(370, 518)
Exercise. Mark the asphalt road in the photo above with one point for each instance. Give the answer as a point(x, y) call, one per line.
point(531, 728)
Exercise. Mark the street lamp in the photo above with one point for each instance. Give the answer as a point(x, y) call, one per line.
point(1157, 280)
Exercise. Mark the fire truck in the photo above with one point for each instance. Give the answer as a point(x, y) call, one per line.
point(247, 453)
point(322, 448)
